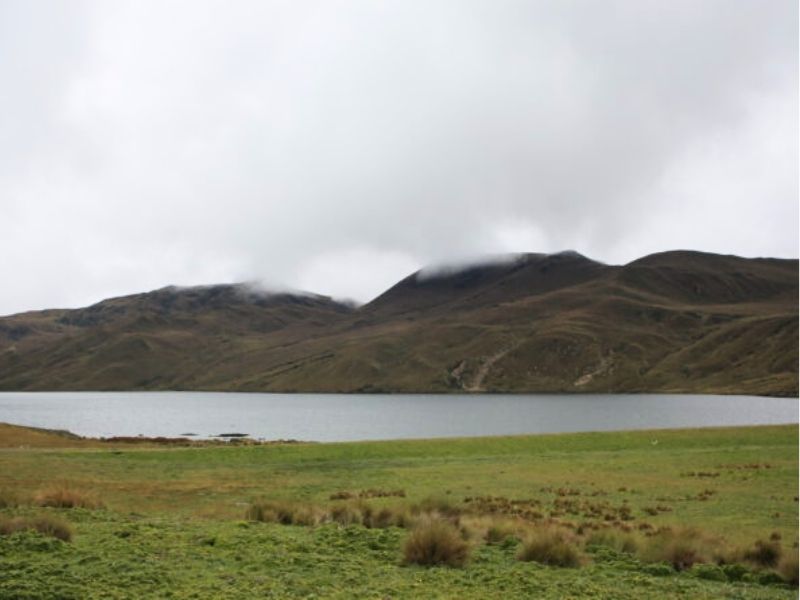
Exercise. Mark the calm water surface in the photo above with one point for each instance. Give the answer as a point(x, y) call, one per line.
point(345, 417)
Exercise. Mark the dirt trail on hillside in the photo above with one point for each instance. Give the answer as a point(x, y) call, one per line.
point(486, 367)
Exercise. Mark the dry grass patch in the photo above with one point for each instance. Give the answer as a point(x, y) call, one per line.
point(343, 495)
point(764, 553)
point(346, 514)
point(65, 497)
point(550, 546)
point(307, 516)
point(684, 547)
point(361, 513)
point(434, 542)
point(17, 436)
point(387, 516)
point(437, 506)
point(48, 525)
point(380, 493)
point(788, 568)
point(284, 513)
point(10, 499)
point(499, 532)
point(614, 539)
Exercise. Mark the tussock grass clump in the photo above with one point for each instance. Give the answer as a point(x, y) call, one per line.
point(499, 531)
point(763, 553)
point(369, 493)
point(346, 514)
point(65, 497)
point(471, 528)
point(361, 513)
point(306, 516)
point(9, 499)
point(682, 548)
point(48, 525)
point(437, 506)
point(344, 495)
point(387, 516)
point(284, 513)
point(616, 540)
point(380, 493)
point(788, 568)
point(268, 512)
point(435, 542)
point(52, 526)
point(550, 547)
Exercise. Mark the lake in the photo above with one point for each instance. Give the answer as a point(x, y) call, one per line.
point(349, 417)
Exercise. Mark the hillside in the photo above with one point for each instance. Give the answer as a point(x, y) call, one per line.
point(670, 322)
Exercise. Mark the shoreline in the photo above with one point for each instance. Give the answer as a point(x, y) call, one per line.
point(244, 440)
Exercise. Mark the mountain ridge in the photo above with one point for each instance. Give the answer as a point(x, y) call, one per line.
point(679, 321)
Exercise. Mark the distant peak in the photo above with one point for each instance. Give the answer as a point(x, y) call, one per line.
point(490, 261)
point(245, 288)
point(454, 267)
point(569, 254)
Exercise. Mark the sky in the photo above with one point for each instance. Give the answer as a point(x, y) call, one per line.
point(337, 146)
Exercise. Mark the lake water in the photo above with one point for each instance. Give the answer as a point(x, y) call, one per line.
point(346, 417)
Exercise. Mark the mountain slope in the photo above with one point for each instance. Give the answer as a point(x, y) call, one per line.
point(671, 322)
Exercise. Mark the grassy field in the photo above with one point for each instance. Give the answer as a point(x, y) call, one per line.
point(171, 522)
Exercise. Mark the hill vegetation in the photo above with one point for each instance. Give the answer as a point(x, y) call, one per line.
point(671, 322)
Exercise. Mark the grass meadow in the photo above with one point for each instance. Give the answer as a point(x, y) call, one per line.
point(708, 513)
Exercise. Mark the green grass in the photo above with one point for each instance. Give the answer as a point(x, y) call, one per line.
point(173, 523)
point(122, 556)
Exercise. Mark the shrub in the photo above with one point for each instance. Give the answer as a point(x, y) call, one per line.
point(48, 525)
point(763, 554)
point(616, 540)
point(788, 569)
point(435, 542)
point(64, 497)
point(550, 547)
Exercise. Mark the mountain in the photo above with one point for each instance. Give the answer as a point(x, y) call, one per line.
point(669, 322)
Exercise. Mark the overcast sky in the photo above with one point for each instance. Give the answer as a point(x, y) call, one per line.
point(337, 146)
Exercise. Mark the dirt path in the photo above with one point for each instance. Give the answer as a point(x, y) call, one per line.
point(602, 369)
point(486, 367)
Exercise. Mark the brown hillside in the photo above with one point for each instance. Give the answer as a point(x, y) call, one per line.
point(670, 322)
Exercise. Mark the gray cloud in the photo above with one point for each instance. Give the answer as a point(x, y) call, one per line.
point(336, 146)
